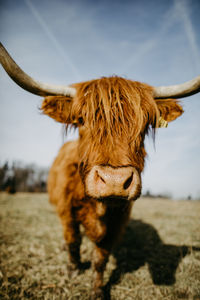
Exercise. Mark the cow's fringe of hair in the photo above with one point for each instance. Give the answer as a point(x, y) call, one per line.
point(115, 106)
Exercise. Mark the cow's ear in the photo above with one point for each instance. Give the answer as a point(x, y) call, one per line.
point(169, 109)
point(58, 108)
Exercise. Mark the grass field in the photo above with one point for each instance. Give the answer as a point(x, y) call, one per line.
point(157, 258)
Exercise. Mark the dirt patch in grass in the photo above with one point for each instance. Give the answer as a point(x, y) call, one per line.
point(158, 257)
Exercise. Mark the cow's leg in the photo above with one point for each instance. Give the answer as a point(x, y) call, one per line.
point(72, 234)
point(100, 258)
point(73, 239)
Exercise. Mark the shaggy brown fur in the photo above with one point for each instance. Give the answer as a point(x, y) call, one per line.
point(113, 116)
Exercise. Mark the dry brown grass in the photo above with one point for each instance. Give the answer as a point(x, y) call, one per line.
point(154, 261)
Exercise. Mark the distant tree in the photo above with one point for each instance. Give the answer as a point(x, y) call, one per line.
point(3, 171)
point(163, 195)
point(22, 178)
point(148, 194)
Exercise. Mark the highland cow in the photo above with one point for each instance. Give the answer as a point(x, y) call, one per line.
point(95, 180)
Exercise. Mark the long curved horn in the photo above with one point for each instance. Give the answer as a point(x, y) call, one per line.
point(28, 83)
point(178, 91)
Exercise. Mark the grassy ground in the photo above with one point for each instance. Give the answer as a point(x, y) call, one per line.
point(155, 260)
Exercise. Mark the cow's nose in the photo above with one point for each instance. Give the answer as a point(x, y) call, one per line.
point(105, 181)
point(119, 178)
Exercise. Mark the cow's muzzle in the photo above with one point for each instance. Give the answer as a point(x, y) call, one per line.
point(107, 181)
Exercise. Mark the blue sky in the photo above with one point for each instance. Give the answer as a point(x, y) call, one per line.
point(157, 42)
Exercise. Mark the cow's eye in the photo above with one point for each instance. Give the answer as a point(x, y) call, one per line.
point(80, 121)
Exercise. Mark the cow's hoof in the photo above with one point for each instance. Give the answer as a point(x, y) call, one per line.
point(73, 270)
point(97, 294)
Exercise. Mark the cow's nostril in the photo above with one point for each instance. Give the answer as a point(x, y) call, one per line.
point(102, 179)
point(127, 183)
point(98, 177)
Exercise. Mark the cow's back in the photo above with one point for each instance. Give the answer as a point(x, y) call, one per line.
point(64, 172)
